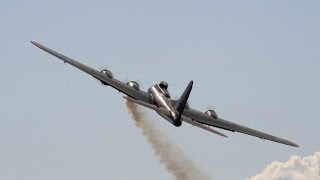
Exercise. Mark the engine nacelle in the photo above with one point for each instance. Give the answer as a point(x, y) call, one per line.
point(212, 113)
point(107, 73)
point(134, 85)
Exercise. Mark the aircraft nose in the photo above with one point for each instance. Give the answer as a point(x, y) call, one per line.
point(175, 115)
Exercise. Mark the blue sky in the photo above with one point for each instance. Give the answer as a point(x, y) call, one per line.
point(256, 62)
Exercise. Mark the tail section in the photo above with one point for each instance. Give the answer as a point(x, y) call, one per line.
point(182, 101)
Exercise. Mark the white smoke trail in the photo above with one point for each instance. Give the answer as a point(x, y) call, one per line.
point(296, 168)
point(174, 160)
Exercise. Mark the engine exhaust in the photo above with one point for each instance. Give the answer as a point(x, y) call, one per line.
point(178, 164)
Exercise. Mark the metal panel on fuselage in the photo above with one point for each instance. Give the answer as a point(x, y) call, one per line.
point(163, 101)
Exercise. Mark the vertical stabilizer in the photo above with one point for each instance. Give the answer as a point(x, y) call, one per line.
point(182, 101)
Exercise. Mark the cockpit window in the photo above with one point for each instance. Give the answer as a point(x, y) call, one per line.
point(163, 91)
point(163, 84)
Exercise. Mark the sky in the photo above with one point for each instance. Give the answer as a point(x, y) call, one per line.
point(255, 63)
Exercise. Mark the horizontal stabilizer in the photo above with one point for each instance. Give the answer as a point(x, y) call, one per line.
point(195, 123)
point(148, 105)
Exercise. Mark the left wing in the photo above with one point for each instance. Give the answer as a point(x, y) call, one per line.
point(122, 87)
point(230, 126)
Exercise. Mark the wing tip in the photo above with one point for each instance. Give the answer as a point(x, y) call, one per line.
point(36, 44)
point(289, 143)
point(33, 42)
point(293, 144)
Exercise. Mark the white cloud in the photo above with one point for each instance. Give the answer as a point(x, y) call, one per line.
point(296, 168)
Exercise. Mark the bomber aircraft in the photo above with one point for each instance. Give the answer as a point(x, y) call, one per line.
point(158, 99)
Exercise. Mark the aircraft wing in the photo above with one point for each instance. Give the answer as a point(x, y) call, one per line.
point(230, 126)
point(122, 87)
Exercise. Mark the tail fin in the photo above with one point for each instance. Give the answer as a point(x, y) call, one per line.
point(182, 101)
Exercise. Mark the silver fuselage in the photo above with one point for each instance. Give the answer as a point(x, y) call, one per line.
point(161, 98)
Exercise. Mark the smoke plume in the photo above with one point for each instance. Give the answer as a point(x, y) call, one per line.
point(174, 160)
point(296, 168)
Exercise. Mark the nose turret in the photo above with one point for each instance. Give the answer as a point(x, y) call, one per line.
point(176, 118)
point(175, 115)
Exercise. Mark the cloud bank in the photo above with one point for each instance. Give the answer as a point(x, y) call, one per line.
point(296, 168)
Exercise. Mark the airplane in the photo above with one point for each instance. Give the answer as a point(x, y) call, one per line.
point(158, 99)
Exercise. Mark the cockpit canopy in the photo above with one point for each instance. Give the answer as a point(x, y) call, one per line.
point(162, 88)
point(164, 85)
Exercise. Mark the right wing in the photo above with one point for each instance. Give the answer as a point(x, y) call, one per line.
point(230, 126)
point(120, 86)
